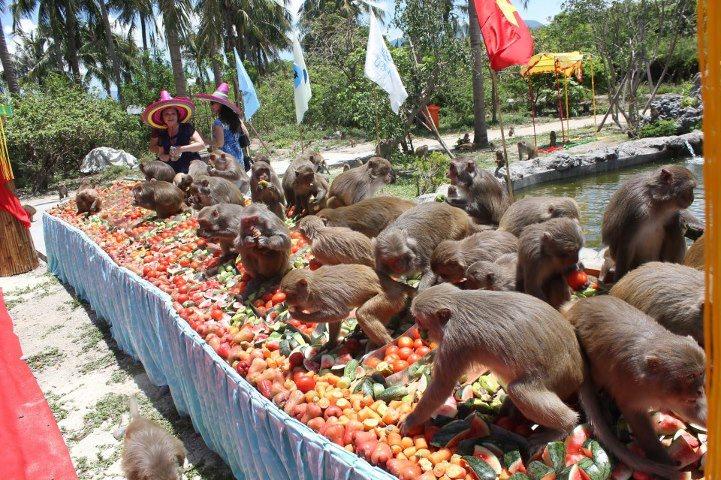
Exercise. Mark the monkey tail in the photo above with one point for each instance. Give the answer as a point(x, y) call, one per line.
point(134, 409)
point(590, 404)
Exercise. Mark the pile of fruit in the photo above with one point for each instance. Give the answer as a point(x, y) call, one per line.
point(355, 400)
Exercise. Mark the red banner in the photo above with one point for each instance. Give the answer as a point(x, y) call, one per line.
point(10, 203)
point(507, 38)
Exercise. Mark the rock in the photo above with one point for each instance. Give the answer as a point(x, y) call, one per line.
point(98, 159)
point(687, 112)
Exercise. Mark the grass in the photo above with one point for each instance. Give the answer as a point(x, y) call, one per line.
point(40, 361)
point(91, 334)
point(57, 406)
point(109, 408)
point(98, 364)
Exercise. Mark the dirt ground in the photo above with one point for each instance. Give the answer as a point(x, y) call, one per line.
point(87, 379)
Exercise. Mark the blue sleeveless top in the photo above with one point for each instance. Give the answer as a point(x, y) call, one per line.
point(231, 143)
point(185, 133)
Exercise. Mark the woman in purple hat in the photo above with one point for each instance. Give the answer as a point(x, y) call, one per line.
point(229, 132)
point(178, 143)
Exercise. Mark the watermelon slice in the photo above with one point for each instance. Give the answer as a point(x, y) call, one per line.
point(479, 427)
point(481, 469)
point(599, 456)
point(683, 451)
point(541, 471)
point(692, 441)
point(574, 458)
point(665, 424)
point(554, 455)
point(489, 457)
point(592, 470)
point(577, 438)
point(573, 473)
point(519, 476)
point(450, 431)
point(513, 462)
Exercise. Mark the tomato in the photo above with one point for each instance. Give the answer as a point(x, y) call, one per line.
point(577, 279)
point(417, 343)
point(404, 353)
point(391, 350)
point(421, 351)
point(405, 342)
point(413, 358)
point(216, 314)
point(304, 381)
point(278, 297)
point(182, 298)
point(399, 365)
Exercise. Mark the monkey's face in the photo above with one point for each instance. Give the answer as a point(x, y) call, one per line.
point(295, 287)
point(261, 173)
point(675, 184)
point(381, 168)
point(309, 225)
point(213, 225)
point(451, 268)
point(396, 255)
point(143, 197)
point(199, 196)
point(221, 163)
point(480, 275)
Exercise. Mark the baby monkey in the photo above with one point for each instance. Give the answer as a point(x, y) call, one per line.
point(499, 275)
point(226, 166)
point(87, 199)
point(328, 295)
point(336, 245)
point(150, 452)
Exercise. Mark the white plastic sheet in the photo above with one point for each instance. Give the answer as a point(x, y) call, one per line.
point(255, 437)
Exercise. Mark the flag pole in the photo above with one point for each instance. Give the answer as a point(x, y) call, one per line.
point(509, 184)
point(568, 111)
point(258, 136)
point(300, 130)
point(533, 111)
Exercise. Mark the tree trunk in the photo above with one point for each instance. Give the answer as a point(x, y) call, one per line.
point(10, 75)
point(171, 38)
point(480, 134)
point(111, 49)
point(143, 32)
point(72, 49)
point(217, 72)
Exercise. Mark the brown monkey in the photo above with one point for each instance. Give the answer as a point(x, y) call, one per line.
point(163, 197)
point(552, 138)
point(466, 138)
point(692, 226)
point(265, 187)
point(226, 166)
point(62, 192)
point(525, 148)
point(500, 162)
point(309, 184)
point(696, 256)
point(313, 159)
point(328, 294)
point(30, 210)
point(511, 334)
point(451, 258)
point(641, 223)
point(643, 367)
point(360, 183)
point(499, 275)
point(157, 170)
point(482, 195)
point(87, 199)
point(421, 151)
point(530, 210)
point(670, 293)
point(149, 451)
point(263, 243)
point(546, 252)
point(406, 245)
point(220, 224)
point(369, 216)
point(511, 131)
point(335, 245)
point(197, 168)
point(385, 148)
point(206, 191)
point(183, 181)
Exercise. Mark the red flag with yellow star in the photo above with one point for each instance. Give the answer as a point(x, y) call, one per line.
point(507, 38)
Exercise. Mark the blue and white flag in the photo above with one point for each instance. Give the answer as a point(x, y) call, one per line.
point(251, 103)
point(380, 68)
point(301, 80)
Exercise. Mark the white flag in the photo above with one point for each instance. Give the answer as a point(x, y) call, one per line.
point(301, 81)
point(380, 67)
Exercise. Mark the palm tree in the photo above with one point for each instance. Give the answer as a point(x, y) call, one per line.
point(8, 66)
point(142, 9)
point(175, 19)
point(480, 132)
point(37, 56)
point(110, 44)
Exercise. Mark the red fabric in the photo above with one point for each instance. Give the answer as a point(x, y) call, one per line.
point(11, 204)
point(32, 446)
point(506, 43)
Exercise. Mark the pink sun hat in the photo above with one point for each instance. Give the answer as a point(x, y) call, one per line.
point(220, 95)
point(153, 114)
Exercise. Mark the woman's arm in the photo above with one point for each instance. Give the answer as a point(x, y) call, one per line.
point(218, 136)
point(196, 144)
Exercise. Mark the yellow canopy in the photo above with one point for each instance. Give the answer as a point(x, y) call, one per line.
point(568, 64)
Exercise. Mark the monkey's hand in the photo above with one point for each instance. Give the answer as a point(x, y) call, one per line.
point(249, 241)
point(409, 425)
point(212, 171)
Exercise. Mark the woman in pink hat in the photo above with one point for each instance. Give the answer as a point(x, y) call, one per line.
point(229, 132)
point(178, 143)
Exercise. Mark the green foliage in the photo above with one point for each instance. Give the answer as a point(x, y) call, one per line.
point(145, 88)
point(54, 128)
point(430, 171)
point(659, 128)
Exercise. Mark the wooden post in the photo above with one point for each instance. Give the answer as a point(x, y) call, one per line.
point(17, 252)
point(568, 111)
point(533, 111)
point(509, 183)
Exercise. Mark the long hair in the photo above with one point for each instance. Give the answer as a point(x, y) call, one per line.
point(230, 118)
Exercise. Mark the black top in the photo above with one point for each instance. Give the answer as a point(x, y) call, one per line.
point(185, 133)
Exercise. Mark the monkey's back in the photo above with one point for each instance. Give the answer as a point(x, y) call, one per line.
point(351, 284)
point(530, 210)
point(369, 216)
point(695, 255)
point(345, 186)
point(625, 209)
point(338, 245)
point(158, 170)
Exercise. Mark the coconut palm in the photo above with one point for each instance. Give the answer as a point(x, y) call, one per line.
point(129, 10)
point(175, 19)
point(37, 56)
point(7, 62)
point(98, 14)
point(480, 131)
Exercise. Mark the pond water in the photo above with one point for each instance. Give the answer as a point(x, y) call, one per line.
point(593, 193)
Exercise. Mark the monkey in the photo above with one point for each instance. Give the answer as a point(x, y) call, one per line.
point(525, 148)
point(206, 191)
point(336, 245)
point(642, 366)
point(220, 224)
point(511, 131)
point(546, 252)
point(642, 220)
point(692, 227)
point(369, 216)
point(385, 148)
point(313, 159)
point(451, 258)
point(511, 334)
point(360, 183)
point(149, 451)
point(346, 167)
point(421, 151)
point(670, 293)
point(552, 138)
point(30, 210)
point(157, 170)
point(497, 275)
point(263, 242)
point(87, 200)
point(696, 256)
point(227, 167)
point(482, 195)
point(500, 162)
point(309, 184)
point(62, 192)
point(197, 169)
point(607, 268)
point(530, 210)
point(183, 181)
point(406, 245)
point(164, 198)
point(265, 187)
point(465, 139)
point(328, 294)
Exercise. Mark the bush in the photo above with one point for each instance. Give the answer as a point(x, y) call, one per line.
point(54, 128)
point(659, 128)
